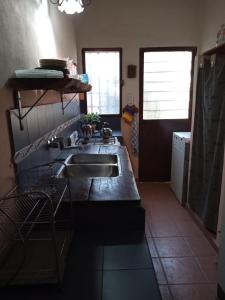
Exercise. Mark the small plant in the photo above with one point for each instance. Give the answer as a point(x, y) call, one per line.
point(91, 118)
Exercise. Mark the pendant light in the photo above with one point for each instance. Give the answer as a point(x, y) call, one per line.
point(71, 7)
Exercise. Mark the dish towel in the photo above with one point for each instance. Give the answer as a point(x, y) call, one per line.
point(134, 136)
point(38, 73)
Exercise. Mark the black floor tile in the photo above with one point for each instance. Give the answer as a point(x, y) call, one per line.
point(126, 250)
point(130, 285)
point(38, 292)
point(128, 256)
point(123, 237)
point(85, 254)
point(82, 285)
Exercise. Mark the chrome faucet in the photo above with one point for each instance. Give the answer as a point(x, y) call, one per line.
point(56, 142)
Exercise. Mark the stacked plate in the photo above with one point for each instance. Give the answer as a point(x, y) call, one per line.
point(50, 62)
point(54, 64)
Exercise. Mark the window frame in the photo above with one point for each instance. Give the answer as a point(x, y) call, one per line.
point(193, 50)
point(84, 103)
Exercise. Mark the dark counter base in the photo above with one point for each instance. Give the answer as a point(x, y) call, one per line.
point(220, 293)
point(114, 218)
point(91, 216)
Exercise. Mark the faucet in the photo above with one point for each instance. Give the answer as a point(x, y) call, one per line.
point(56, 142)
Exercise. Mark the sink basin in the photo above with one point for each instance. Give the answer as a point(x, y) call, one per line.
point(88, 171)
point(84, 165)
point(85, 158)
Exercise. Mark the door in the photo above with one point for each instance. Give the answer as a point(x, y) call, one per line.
point(165, 106)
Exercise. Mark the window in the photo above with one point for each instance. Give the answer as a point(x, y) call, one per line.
point(104, 70)
point(167, 80)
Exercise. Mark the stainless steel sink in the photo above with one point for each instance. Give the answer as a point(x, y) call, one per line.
point(85, 158)
point(88, 171)
point(89, 166)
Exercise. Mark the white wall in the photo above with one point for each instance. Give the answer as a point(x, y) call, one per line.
point(29, 30)
point(135, 24)
point(212, 16)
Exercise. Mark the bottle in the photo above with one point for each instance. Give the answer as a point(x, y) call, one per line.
point(84, 78)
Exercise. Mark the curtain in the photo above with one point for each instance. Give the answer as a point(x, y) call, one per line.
point(208, 142)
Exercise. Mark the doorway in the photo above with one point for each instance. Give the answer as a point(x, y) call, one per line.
point(165, 106)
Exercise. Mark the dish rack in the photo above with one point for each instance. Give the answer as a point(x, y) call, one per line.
point(33, 243)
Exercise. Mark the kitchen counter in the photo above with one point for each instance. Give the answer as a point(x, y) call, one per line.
point(112, 202)
point(111, 189)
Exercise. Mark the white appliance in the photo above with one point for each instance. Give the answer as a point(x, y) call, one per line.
point(179, 165)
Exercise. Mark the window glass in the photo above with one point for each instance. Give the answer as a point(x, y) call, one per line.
point(167, 78)
point(103, 69)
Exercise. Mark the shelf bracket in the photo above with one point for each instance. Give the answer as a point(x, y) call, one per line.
point(62, 101)
point(17, 98)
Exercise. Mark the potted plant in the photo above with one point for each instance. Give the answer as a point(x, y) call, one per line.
point(91, 118)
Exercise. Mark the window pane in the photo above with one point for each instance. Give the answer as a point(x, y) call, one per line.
point(167, 77)
point(102, 68)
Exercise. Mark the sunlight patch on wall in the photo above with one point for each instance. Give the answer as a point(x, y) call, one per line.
point(44, 32)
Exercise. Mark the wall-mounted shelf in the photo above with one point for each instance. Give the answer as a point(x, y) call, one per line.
point(63, 85)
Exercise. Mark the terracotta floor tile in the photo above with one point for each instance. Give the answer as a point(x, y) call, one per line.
point(160, 275)
point(183, 270)
point(160, 214)
point(200, 246)
point(209, 266)
point(163, 228)
point(172, 247)
point(165, 292)
point(152, 247)
point(188, 228)
point(193, 292)
point(187, 257)
point(167, 212)
point(181, 214)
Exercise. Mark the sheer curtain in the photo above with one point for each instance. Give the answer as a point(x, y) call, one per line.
point(103, 69)
point(208, 142)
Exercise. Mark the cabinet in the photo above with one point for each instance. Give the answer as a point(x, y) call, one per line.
point(179, 165)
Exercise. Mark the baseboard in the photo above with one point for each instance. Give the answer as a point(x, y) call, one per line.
point(220, 293)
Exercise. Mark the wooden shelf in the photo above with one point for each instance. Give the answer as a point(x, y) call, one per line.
point(219, 49)
point(65, 85)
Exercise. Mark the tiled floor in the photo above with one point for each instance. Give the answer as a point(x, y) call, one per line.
point(101, 266)
point(118, 266)
point(122, 262)
point(184, 260)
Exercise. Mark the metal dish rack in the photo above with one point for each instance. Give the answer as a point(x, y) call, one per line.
point(32, 247)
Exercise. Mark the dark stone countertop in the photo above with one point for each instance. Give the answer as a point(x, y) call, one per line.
point(121, 189)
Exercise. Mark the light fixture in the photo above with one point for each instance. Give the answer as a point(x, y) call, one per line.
point(71, 6)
